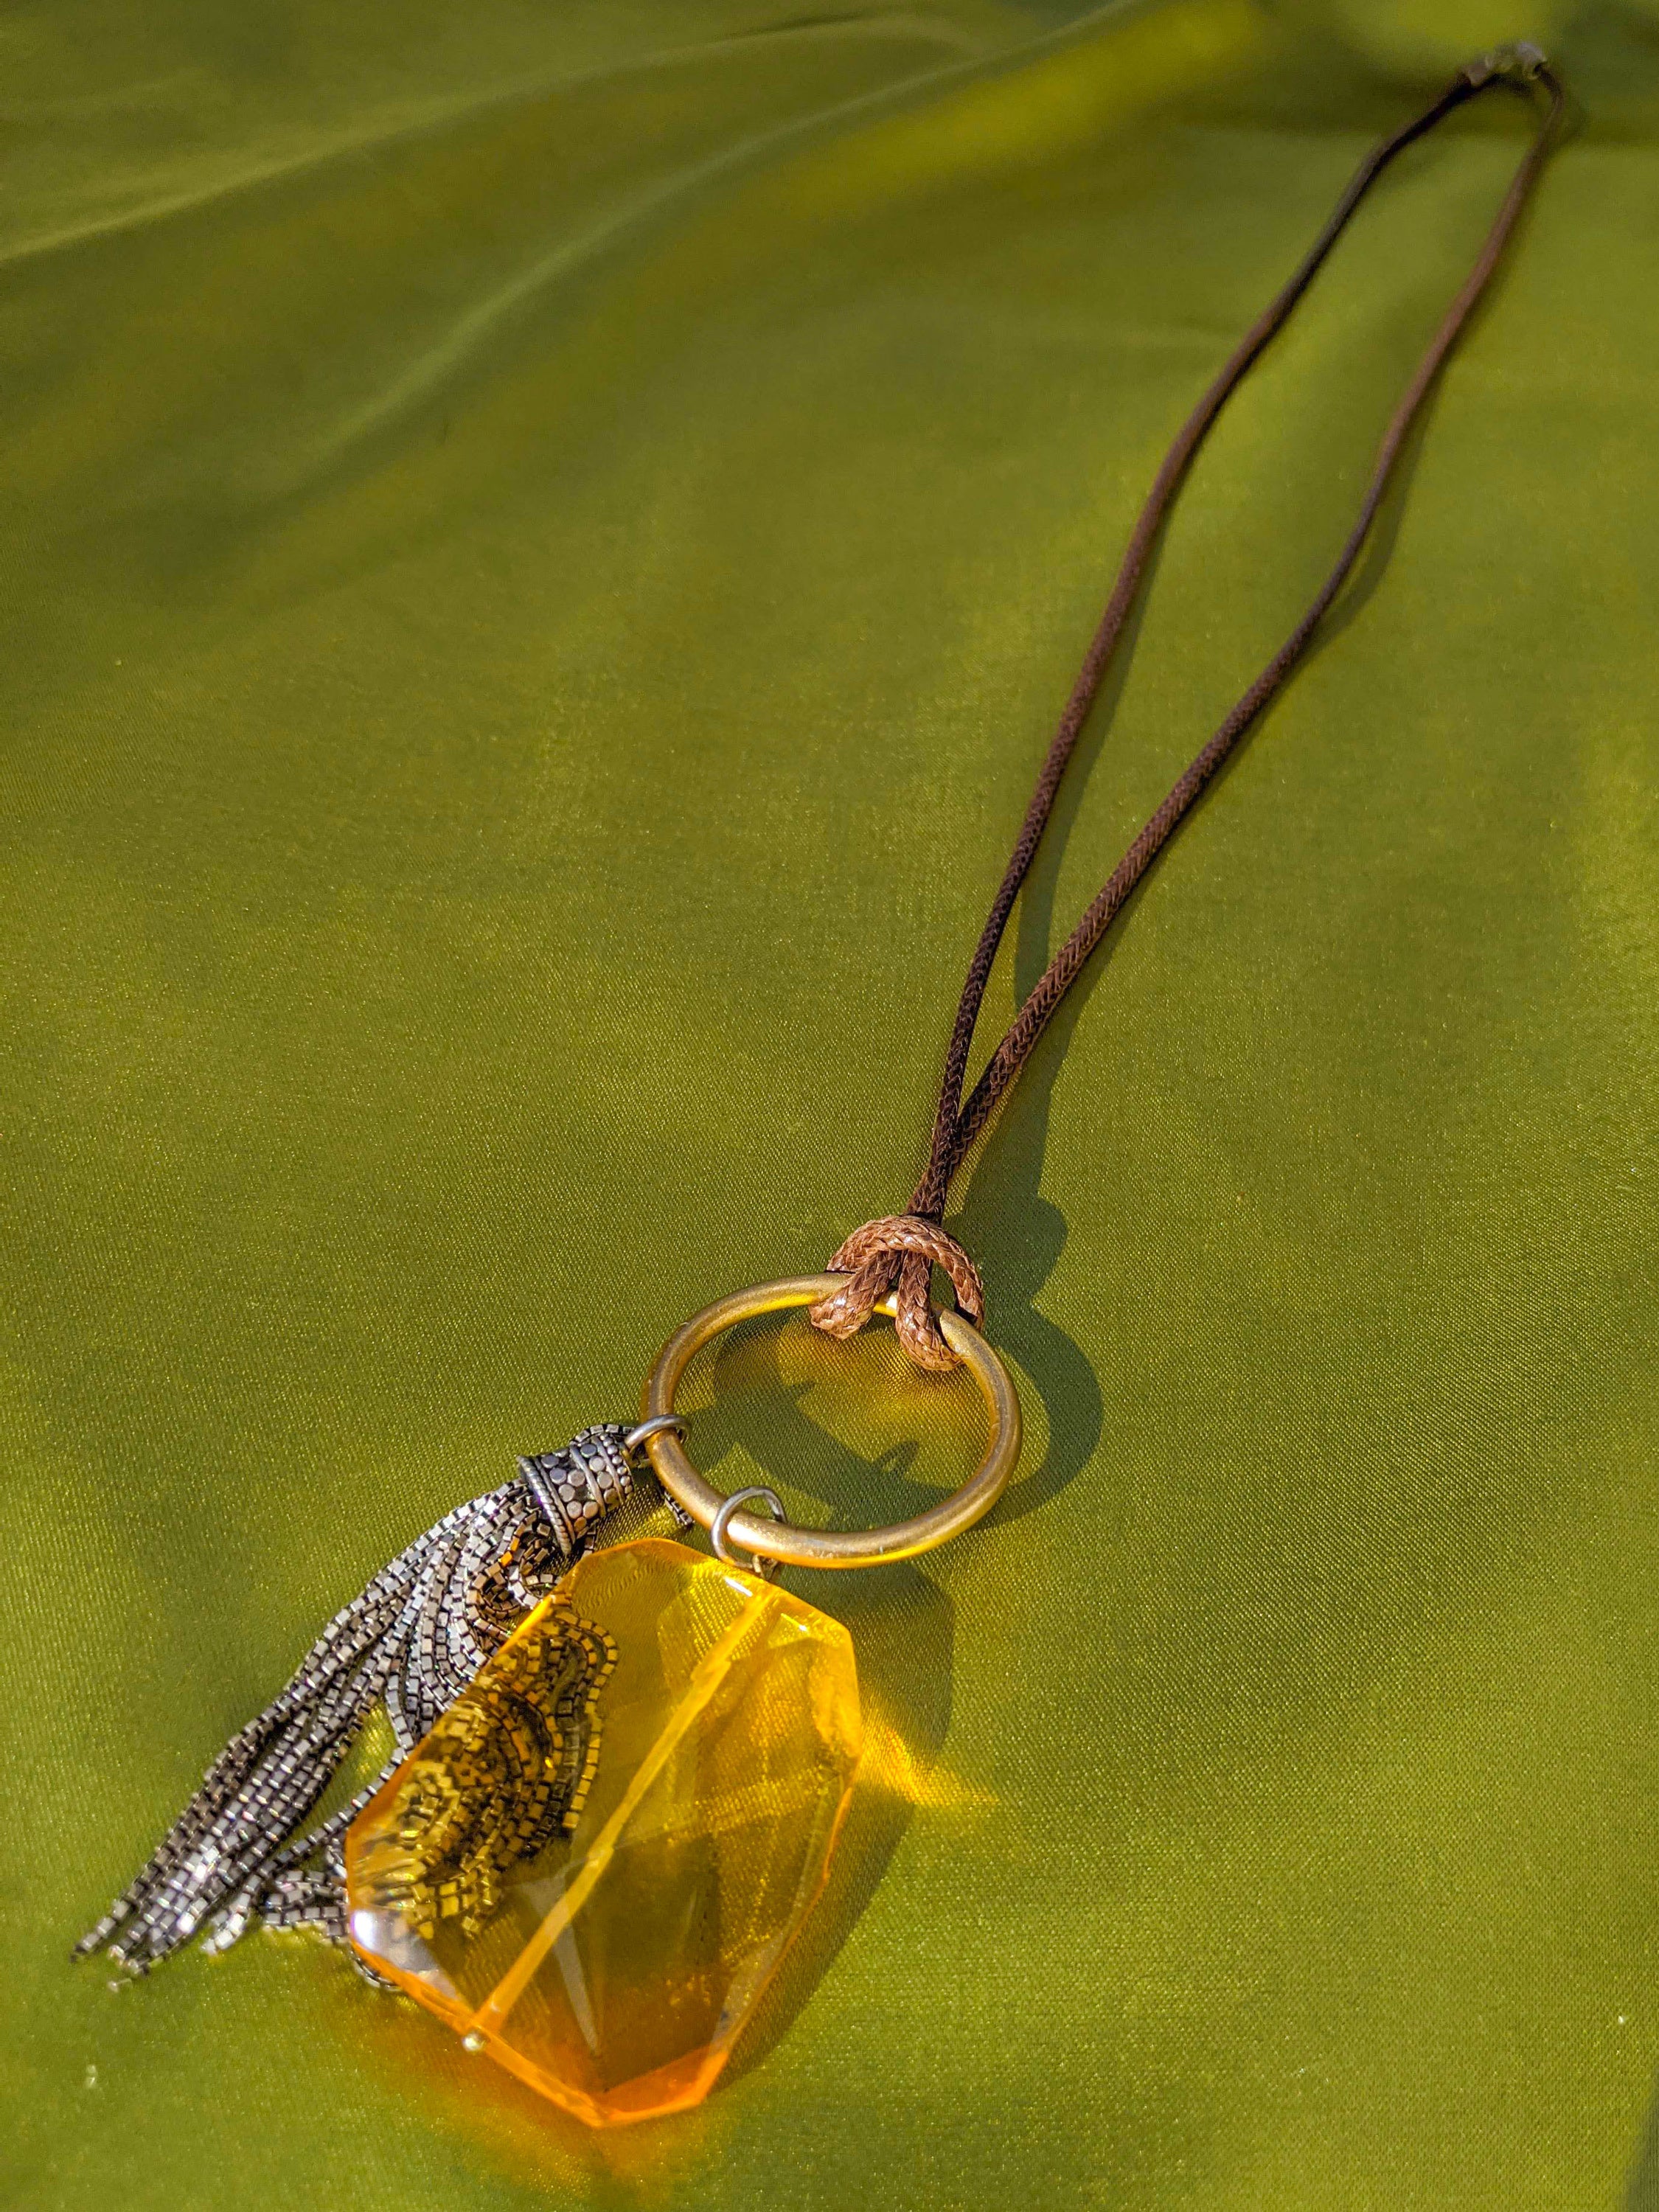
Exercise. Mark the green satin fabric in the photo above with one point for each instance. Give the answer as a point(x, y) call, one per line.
point(542, 546)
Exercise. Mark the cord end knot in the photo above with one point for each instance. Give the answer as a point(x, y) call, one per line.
point(1520, 62)
point(900, 1252)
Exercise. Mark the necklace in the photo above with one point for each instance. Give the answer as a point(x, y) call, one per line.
point(621, 1768)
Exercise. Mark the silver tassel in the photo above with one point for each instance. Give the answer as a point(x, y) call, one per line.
point(412, 1643)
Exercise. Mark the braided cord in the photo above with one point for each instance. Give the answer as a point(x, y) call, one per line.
point(893, 1253)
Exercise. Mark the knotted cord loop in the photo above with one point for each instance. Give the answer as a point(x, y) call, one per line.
point(900, 1251)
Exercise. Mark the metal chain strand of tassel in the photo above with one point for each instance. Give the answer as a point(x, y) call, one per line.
point(900, 1250)
point(412, 1643)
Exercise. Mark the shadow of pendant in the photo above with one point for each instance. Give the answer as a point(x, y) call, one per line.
point(593, 1866)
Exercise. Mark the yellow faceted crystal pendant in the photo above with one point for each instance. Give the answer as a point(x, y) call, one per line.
point(596, 1860)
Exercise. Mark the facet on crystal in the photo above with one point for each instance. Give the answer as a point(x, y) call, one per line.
point(596, 1860)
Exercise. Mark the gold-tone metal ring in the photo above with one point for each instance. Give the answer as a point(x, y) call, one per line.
point(829, 1548)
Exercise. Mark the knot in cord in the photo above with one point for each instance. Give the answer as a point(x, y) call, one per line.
point(900, 1252)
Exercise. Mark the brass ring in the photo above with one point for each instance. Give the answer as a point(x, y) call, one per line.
point(829, 1548)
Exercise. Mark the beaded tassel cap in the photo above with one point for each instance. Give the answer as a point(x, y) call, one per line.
point(412, 1642)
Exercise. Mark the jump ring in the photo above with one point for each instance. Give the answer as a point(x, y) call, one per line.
point(640, 1435)
point(764, 1568)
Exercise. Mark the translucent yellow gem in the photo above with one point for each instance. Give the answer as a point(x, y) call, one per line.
point(593, 1863)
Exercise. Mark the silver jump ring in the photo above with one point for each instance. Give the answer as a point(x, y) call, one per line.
point(764, 1568)
point(641, 1434)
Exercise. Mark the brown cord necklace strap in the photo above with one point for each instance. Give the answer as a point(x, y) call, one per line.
point(902, 1249)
